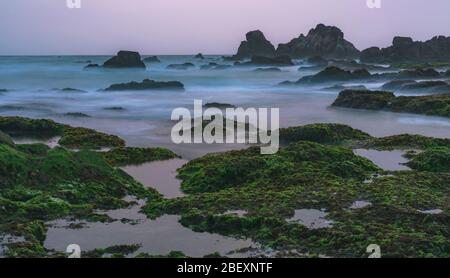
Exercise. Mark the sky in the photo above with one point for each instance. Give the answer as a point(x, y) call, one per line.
point(49, 27)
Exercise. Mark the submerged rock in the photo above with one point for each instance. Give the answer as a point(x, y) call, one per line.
point(76, 115)
point(115, 108)
point(125, 59)
point(199, 56)
point(92, 66)
point(255, 45)
point(151, 59)
point(146, 84)
point(218, 105)
point(268, 61)
point(404, 49)
point(324, 41)
point(71, 90)
point(273, 69)
point(184, 66)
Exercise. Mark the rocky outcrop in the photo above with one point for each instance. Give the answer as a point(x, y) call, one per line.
point(184, 66)
point(255, 45)
point(151, 59)
point(437, 105)
point(419, 73)
point(146, 84)
point(317, 61)
point(272, 69)
point(331, 74)
point(125, 59)
point(404, 49)
point(324, 41)
point(267, 61)
point(199, 56)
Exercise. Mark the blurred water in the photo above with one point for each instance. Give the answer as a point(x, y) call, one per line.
point(145, 118)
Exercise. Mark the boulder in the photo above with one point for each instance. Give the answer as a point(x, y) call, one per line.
point(404, 49)
point(125, 59)
point(151, 59)
point(146, 84)
point(184, 66)
point(255, 45)
point(324, 41)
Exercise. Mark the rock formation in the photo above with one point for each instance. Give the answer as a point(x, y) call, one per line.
point(125, 59)
point(324, 41)
point(146, 84)
point(404, 49)
point(255, 45)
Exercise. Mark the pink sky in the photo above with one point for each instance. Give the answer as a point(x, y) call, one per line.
point(36, 27)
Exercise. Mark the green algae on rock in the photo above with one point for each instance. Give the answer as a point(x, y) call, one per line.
point(436, 105)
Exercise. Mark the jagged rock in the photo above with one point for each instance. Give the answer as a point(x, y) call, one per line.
point(125, 59)
point(324, 41)
point(267, 70)
point(199, 56)
point(146, 84)
point(255, 45)
point(404, 49)
point(184, 66)
point(152, 59)
point(331, 74)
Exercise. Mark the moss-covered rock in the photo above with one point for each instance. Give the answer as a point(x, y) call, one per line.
point(432, 160)
point(437, 105)
point(79, 137)
point(6, 139)
point(322, 133)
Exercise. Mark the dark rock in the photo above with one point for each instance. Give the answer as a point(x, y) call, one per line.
point(342, 88)
point(255, 45)
point(125, 59)
point(404, 49)
point(324, 41)
point(71, 90)
point(151, 59)
point(418, 73)
point(92, 66)
point(199, 56)
point(364, 99)
point(115, 108)
point(427, 87)
point(3, 90)
point(332, 74)
point(447, 73)
point(184, 66)
point(76, 115)
point(317, 61)
point(218, 105)
point(208, 66)
point(396, 84)
point(146, 84)
point(267, 70)
point(267, 61)
point(221, 67)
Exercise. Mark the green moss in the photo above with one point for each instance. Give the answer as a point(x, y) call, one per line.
point(432, 160)
point(437, 105)
point(136, 156)
point(18, 126)
point(5, 139)
point(405, 141)
point(322, 133)
point(78, 138)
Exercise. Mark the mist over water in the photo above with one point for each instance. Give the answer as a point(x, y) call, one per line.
point(32, 84)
